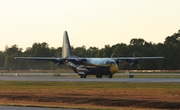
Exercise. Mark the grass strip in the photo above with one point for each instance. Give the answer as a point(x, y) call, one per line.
point(27, 92)
point(10, 85)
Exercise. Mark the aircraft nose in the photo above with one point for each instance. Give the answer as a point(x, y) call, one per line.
point(114, 69)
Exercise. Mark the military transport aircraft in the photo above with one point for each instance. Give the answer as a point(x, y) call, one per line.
point(88, 66)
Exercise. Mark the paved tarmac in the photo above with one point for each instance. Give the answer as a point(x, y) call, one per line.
point(30, 108)
point(65, 79)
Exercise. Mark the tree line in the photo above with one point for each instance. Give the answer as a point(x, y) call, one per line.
point(170, 49)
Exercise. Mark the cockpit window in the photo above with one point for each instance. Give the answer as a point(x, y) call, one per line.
point(110, 62)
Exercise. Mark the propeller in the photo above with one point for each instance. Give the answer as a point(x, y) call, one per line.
point(134, 63)
point(136, 53)
point(120, 63)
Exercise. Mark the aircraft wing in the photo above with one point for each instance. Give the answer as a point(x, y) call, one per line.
point(53, 59)
point(131, 59)
point(136, 58)
point(35, 58)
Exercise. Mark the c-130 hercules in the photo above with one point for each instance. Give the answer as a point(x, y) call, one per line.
point(88, 66)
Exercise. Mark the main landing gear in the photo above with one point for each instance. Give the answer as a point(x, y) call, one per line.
point(83, 76)
point(98, 76)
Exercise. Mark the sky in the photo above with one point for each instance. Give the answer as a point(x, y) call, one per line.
point(92, 23)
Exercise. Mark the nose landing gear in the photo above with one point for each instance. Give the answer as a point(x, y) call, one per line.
point(98, 76)
point(110, 76)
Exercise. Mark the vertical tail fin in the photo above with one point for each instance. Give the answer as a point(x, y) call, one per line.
point(66, 48)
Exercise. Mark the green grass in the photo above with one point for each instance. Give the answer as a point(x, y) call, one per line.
point(8, 85)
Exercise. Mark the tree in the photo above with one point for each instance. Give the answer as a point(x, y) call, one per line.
point(139, 42)
point(2, 60)
point(10, 53)
point(92, 52)
point(120, 50)
point(39, 50)
point(80, 51)
point(107, 51)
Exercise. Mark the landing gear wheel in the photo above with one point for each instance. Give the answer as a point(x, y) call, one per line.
point(98, 76)
point(83, 76)
point(110, 76)
point(131, 76)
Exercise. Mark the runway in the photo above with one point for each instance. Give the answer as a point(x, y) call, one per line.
point(71, 79)
point(29, 108)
